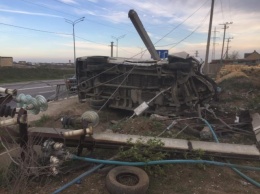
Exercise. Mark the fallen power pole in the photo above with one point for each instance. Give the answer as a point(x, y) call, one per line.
point(112, 140)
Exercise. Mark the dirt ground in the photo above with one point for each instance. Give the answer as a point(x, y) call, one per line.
point(175, 179)
point(178, 178)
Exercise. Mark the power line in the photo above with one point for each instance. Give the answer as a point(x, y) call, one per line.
point(175, 44)
point(46, 7)
point(45, 31)
point(181, 23)
point(222, 10)
point(230, 14)
point(95, 22)
point(91, 41)
point(112, 26)
point(143, 12)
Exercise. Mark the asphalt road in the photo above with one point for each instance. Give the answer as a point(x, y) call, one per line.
point(46, 88)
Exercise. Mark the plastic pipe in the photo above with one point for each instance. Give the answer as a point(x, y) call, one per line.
point(157, 162)
point(78, 178)
point(233, 168)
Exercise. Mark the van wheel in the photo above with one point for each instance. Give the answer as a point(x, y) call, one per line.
point(96, 104)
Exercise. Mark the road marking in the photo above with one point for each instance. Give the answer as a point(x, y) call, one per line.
point(35, 88)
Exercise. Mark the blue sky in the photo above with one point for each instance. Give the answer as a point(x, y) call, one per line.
point(168, 22)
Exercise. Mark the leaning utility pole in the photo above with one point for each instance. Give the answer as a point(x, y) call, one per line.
point(214, 44)
point(228, 41)
point(209, 35)
point(225, 27)
point(112, 45)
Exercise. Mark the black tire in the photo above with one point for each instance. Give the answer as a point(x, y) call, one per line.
point(97, 102)
point(114, 186)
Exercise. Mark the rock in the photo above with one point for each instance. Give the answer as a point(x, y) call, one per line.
point(159, 117)
point(205, 133)
point(113, 122)
point(108, 131)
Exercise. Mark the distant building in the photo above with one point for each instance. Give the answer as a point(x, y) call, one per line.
point(252, 56)
point(249, 59)
point(22, 62)
point(6, 61)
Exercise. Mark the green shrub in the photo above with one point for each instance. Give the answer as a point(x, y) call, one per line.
point(144, 152)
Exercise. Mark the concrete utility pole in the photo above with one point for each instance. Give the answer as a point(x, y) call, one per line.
point(225, 27)
point(143, 34)
point(196, 54)
point(112, 45)
point(73, 24)
point(209, 35)
point(117, 38)
point(228, 41)
point(214, 43)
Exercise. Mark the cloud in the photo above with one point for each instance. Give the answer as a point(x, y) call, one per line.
point(93, 1)
point(5, 19)
point(29, 13)
point(69, 1)
point(116, 17)
point(84, 11)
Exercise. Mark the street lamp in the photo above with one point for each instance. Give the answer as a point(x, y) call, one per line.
point(117, 38)
point(73, 24)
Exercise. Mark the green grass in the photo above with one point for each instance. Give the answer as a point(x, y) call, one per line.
point(11, 74)
point(44, 119)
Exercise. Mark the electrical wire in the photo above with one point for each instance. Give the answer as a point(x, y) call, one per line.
point(91, 41)
point(45, 31)
point(175, 44)
point(129, 72)
point(37, 30)
point(166, 33)
point(87, 19)
point(46, 7)
point(181, 22)
point(221, 6)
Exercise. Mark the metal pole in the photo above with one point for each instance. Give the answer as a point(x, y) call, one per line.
point(117, 48)
point(73, 23)
point(74, 45)
point(117, 38)
point(209, 36)
point(112, 45)
point(225, 27)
